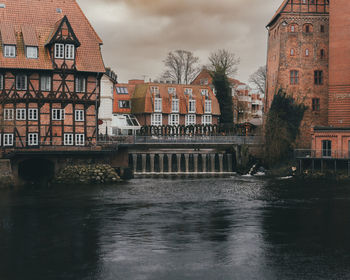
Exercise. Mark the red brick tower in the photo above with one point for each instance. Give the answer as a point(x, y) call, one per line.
point(339, 64)
point(297, 59)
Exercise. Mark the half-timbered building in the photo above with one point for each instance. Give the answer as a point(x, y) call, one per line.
point(50, 71)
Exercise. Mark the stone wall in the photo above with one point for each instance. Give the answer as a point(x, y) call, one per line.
point(6, 178)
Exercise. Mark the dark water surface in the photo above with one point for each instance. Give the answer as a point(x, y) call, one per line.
point(238, 228)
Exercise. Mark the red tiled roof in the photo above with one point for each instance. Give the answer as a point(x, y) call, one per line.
point(142, 98)
point(44, 15)
point(7, 34)
point(29, 35)
point(117, 97)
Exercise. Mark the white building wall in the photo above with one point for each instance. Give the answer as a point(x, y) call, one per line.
point(105, 112)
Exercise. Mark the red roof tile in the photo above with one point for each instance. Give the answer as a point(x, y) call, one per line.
point(43, 15)
point(7, 34)
point(29, 36)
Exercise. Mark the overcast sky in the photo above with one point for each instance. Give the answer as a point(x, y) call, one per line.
point(137, 34)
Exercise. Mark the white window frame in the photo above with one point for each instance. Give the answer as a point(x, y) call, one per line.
point(156, 119)
point(79, 115)
point(1, 81)
point(171, 90)
point(207, 119)
point(32, 114)
point(70, 51)
point(68, 139)
point(9, 114)
point(8, 139)
point(32, 52)
point(207, 107)
point(192, 106)
point(175, 108)
point(204, 92)
point(155, 89)
point(80, 139)
point(21, 114)
point(9, 51)
point(80, 84)
point(174, 119)
point(20, 86)
point(33, 139)
point(58, 114)
point(59, 51)
point(45, 83)
point(188, 91)
point(191, 119)
point(122, 90)
point(158, 105)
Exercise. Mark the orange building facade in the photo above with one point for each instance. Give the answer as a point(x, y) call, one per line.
point(50, 71)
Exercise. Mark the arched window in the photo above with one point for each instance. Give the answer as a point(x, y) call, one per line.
point(293, 28)
point(307, 52)
point(322, 53)
point(292, 52)
point(308, 28)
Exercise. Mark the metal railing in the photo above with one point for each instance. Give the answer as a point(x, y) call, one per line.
point(326, 154)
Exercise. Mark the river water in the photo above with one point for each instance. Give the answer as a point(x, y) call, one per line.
point(234, 228)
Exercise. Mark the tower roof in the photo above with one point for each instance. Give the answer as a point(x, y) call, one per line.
point(278, 12)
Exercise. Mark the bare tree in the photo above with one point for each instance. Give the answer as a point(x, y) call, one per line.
point(182, 66)
point(224, 61)
point(258, 79)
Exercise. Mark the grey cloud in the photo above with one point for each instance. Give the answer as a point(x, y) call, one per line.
point(135, 43)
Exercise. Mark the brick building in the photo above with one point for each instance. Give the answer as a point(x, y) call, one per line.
point(247, 103)
point(172, 104)
point(298, 58)
point(50, 71)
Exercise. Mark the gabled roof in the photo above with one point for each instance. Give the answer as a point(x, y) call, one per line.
point(45, 17)
point(58, 26)
point(278, 12)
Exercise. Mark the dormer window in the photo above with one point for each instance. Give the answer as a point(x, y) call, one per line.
point(188, 91)
point(204, 92)
point(59, 51)
point(9, 51)
point(157, 105)
point(69, 51)
point(32, 52)
point(155, 90)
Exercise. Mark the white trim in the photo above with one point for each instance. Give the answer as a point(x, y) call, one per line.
point(156, 119)
point(175, 108)
point(9, 51)
point(191, 119)
point(33, 139)
point(59, 51)
point(80, 139)
point(174, 119)
point(8, 140)
point(207, 119)
point(21, 114)
point(45, 83)
point(69, 51)
point(79, 115)
point(207, 107)
point(32, 52)
point(80, 84)
point(192, 109)
point(32, 114)
point(158, 105)
point(58, 114)
point(21, 78)
point(68, 139)
point(9, 114)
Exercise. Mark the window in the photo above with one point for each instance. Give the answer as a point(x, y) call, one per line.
point(122, 90)
point(318, 75)
point(322, 55)
point(33, 139)
point(322, 28)
point(171, 90)
point(326, 148)
point(157, 105)
point(21, 114)
point(156, 119)
point(190, 120)
point(207, 107)
point(291, 52)
point(307, 52)
point(9, 114)
point(174, 119)
point(68, 139)
point(307, 29)
point(80, 84)
point(59, 50)
point(79, 115)
point(206, 119)
point(1, 82)
point(8, 139)
point(188, 91)
point(204, 92)
point(315, 104)
point(32, 52)
point(33, 114)
point(155, 90)
point(57, 114)
point(9, 51)
point(80, 139)
point(294, 77)
point(45, 83)
point(293, 28)
point(69, 51)
point(175, 105)
point(21, 82)
point(124, 104)
point(192, 106)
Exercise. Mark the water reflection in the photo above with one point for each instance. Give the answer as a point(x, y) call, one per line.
point(241, 228)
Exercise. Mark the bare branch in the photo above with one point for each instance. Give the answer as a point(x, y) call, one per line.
point(224, 61)
point(258, 79)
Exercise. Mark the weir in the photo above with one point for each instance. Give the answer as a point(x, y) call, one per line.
point(179, 163)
